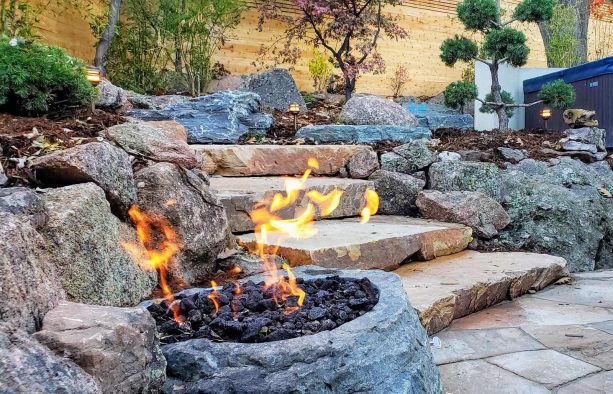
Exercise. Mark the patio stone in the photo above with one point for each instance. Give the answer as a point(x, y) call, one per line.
point(240, 195)
point(454, 286)
point(263, 160)
point(476, 344)
point(606, 326)
point(587, 289)
point(533, 311)
point(581, 342)
point(600, 383)
point(547, 367)
point(383, 243)
point(478, 376)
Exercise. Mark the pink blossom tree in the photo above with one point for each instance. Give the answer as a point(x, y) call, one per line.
point(348, 29)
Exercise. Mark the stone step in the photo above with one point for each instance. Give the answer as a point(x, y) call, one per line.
point(383, 243)
point(239, 195)
point(451, 287)
point(263, 160)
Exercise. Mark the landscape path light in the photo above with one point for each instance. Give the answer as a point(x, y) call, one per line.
point(294, 109)
point(546, 114)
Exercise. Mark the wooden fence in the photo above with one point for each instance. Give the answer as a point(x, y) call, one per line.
point(428, 22)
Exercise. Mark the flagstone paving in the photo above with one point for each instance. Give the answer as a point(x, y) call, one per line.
point(559, 340)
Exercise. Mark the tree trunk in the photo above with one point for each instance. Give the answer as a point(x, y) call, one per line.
point(103, 46)
point(503, 118)
point(581, 29)
point(349, 88)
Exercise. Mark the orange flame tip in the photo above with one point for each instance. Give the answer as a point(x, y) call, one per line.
point(372, 206)
point(213, 296)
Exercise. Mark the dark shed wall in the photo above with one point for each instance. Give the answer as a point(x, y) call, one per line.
point(596, 98)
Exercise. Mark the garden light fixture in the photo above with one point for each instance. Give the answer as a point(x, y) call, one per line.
point(94, 75)
point(294, 109)
point(545, 114)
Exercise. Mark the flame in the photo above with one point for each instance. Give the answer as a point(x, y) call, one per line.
point(214, 295)
point(155, 250)
point(372, 206)
point(269, 224)
point(327, 202)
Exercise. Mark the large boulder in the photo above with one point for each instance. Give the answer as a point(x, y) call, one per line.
point(362, 134)
point(84, 240)
point(375, 110)
point(110, 96)
point(25, 203)
point(587, 135)
point(26, 366)
point(117, 346)
point(555, 209)
point(139, 139)
point(100, 162)
point(408, 158)
point(219, 118)
point(195, 213)
point(397, 192)
point(435, 116)
point(29, 284)
point(482, 213)
point(363, 164)
point(276, 89)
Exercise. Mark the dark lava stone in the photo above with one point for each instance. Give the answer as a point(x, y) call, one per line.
point(259, 313)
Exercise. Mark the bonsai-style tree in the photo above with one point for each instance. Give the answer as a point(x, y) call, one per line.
point(348, 30)
point(501, 44)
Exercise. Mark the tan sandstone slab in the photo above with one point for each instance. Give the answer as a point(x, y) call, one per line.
point(262, 160)
point(600, 383)
point(546, 367)
point(239, 195)
point(479, 377)
point(532, 311)
point(451, 287)
point(383, 243)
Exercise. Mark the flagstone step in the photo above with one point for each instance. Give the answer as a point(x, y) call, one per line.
point(263, 160)
point(451, 287)
point(239, 195)
point(385, 242)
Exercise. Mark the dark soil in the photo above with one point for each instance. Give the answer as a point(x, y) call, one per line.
point(253, 315)
point(319, 112)
point(530, 141)
point(25, 137)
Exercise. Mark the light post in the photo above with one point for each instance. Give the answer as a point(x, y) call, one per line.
point(546, 114)
point(294, 109)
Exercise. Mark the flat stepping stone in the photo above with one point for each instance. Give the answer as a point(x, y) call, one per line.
point(455, 286)
point(239, 195)
point(362, 134)
point(383, 243)
point(263, 160)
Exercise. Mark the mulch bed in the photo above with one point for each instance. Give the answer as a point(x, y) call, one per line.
point(319, 112)
point(252, 315)
point(26, 137)
point(532, 141)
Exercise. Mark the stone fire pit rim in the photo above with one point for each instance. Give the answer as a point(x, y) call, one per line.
point(307, 272)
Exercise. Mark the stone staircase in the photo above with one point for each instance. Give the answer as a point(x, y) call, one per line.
point(444, 282)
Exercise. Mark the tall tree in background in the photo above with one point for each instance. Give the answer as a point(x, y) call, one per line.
point(348, 30)
point(106, 33)
point(580, 33)
point(501, 45)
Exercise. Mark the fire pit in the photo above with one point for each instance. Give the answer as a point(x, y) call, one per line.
point(381, 350)
point(257, 313)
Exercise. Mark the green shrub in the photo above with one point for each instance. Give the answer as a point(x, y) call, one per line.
point(36, 78)
point(459, 93)
point(320, 70)
point(558, 94)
